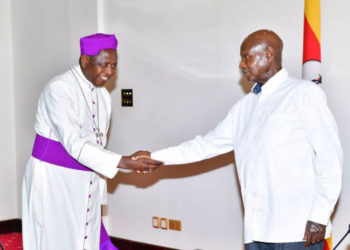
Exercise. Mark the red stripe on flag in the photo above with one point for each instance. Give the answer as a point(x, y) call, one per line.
point(327, 245)
point(312, 49)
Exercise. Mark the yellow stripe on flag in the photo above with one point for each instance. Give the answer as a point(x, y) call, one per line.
point(313, 16)
point(328, 243)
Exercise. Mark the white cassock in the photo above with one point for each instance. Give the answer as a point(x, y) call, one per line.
point(62, 206)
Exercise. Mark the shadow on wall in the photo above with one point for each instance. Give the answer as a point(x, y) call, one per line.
point(171, 172)
point(111, 84)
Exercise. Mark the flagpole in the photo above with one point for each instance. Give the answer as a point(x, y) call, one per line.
point(346, 234)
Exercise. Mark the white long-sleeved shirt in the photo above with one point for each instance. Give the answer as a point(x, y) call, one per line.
point(288, 157)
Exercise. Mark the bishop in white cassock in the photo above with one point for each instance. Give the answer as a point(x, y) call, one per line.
point(64, 184)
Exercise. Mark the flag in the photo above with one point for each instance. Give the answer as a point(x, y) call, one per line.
point(328, 243)
point(312, 41)
point(312, 54)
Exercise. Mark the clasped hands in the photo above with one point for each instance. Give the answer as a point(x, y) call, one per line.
point(140, 162)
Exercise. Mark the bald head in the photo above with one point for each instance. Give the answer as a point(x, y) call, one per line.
point(268, 37)
point(261, 55)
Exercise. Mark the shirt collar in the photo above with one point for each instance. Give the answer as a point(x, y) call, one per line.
point(271, 85)
point(256, 89)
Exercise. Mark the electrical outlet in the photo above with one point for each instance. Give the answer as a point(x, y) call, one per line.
point(164, 223)
point(175, 224)
point(155, 222)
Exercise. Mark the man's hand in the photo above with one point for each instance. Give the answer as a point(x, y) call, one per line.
point(142, 164)
point(141, 155)
point(314, 233)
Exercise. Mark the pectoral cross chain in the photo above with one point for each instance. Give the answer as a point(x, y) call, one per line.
point(99, 134)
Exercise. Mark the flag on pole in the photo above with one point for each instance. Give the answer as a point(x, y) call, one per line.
point(312, 41)
point(328, 243)
point(312, 54)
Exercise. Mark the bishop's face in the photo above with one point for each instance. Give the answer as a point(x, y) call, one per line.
point(255, 62)
point(100, 68)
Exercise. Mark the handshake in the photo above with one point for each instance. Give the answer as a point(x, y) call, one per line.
point(140, 162)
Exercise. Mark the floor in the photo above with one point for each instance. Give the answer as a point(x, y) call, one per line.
point(11, 241)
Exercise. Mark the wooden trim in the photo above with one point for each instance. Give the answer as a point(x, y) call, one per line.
point(10, 226)
point(124, 244)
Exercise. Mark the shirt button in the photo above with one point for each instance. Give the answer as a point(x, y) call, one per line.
point(85, 237)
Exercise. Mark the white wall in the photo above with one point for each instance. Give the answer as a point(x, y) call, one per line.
point(8, 194)
point(336, 77)
point(45, 43)
point(181, 59)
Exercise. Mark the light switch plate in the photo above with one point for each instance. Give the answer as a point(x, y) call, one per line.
point(127, 98)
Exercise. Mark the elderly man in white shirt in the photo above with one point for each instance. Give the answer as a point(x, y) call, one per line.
point(64, 183)
point(287, 150)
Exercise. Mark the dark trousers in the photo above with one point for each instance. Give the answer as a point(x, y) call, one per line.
point(283, 246)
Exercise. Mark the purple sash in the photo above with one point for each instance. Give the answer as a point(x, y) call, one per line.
point(53, 152)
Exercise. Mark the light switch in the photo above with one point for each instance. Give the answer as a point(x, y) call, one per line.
point(127, 98)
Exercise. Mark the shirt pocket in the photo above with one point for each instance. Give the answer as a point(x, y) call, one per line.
point(284, 126)
point(277, 119)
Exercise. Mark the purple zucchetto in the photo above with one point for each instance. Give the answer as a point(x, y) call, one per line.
point(91, 45)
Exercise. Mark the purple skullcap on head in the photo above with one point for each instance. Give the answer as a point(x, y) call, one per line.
point(91, 45)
